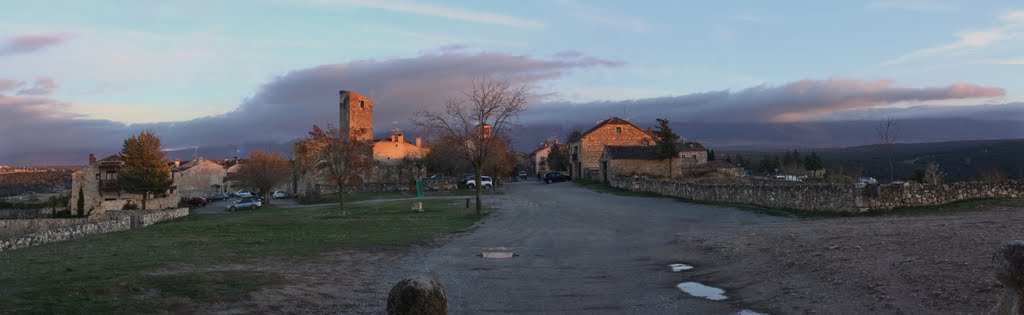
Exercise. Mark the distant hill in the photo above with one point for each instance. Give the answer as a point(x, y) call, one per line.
point(960, 160)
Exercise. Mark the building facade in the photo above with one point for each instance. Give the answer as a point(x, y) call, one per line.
point(356, 116)
point(585, 154)
point(199, 178)
point(395, 149)
point(96, 184)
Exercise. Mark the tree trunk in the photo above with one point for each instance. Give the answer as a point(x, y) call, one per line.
point(341, 199)
point(145, 196)
point(479, 191)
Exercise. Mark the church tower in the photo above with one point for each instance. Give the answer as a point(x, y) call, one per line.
point(356, 116)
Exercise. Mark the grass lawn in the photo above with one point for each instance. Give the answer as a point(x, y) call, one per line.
point(115, 272)
point(353, 197)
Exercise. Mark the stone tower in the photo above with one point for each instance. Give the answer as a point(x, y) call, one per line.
point(356, 116)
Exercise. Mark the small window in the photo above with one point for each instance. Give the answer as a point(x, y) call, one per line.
point(361, 105)
point(618, 129)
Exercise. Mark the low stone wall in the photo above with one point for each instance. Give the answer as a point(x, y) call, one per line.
point(117, 221)
point(787, 195)
point(842, 198)
point(10, 228)
point(912, 194)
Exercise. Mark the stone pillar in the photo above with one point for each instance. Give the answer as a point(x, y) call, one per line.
point(1008, 261)
point(419, 295)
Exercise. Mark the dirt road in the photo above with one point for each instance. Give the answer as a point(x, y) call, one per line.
point(578, 251)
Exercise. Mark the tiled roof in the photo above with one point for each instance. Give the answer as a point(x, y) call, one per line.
point(692, 146)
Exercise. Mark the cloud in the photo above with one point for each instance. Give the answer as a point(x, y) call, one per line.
point(804, 100)
point(42, 86)
point(29, 43)
point(922, 6)
point(287, 106)
point(8, 85)
point(1006, 61)
point(440, 11)
point(969, 41)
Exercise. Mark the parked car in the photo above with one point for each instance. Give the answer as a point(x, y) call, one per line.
point(522, 175)
point(250, 203)
point(218, 197)
point(867, 180)
point(555, 177)
point(196, 202)
point(243, 193)
point(485, 182)
point(279, 194)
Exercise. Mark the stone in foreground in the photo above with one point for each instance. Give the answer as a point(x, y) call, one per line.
point(1008, 261)
point(418, 295)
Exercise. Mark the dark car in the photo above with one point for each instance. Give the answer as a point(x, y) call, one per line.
point(196, 202)
point(218, 197)
point(555, 177)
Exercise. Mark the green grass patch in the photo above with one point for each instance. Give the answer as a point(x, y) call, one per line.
point(120, 272)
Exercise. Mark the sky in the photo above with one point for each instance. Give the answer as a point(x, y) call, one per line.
point(80, 76)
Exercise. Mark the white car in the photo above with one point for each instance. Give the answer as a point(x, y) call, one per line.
point(484, 180)
point(243, 193)
point(279, 194)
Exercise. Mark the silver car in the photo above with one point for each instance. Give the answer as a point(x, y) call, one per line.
point(250, 203)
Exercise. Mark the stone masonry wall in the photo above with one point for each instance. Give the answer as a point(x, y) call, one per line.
point(785, 195)
point(592, 146)
point(118, 221)
point(10, 228)
point(912, 194)
point(825, 197)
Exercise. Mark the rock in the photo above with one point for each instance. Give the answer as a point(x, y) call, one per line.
point(418, 295)
point(1008, 261)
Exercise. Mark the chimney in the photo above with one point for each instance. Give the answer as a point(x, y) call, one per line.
point(401, 137)
point(177, 162)
point(92, 159)
point(419, 141)
point(392, 137)
point(199, 159)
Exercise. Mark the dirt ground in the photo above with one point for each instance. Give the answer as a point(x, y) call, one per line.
point(904, 264)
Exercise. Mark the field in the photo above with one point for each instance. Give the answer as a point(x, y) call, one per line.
point(127, 272)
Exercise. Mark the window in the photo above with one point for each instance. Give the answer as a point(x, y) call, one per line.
point(361, 105)
point(618, 129)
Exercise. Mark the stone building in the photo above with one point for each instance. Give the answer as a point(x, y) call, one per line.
point(645, 160)
point(99, 189)
point(537, 160)
point(692, 153)
point(356, 115)
point(585, 154)
point(198, 178)
point(395, 149)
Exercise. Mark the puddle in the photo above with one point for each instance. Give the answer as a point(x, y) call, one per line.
point(701, 290)
point(680, 267)
point(497, 255)
point(749, 312)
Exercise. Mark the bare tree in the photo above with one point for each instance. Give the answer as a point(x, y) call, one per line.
point(887, 133)
point(263, 171)
point(328, 154)
point(475, 120)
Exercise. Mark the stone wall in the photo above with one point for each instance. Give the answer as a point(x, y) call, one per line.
point(117, 221)
point(9, 228)
point(841, 198)
point(784, 195)
point(203, 179)
point(8, 214)
point(912, 194)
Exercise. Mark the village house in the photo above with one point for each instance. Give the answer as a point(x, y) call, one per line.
point(395, 149)
point(645, 160)
point(199, 177)
point(537, 160)
point(99, 189)
point(585, 153)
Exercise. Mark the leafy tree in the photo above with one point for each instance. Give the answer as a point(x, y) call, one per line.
point(558, 159)
point(474, 121)
point(264, 170)
point(342, 161)
point(666, 141)
point(80, 204)
point(813, 162)
point(144, 171)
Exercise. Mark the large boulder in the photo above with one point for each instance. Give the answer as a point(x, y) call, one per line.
point(1008, 261)
point(418, 295)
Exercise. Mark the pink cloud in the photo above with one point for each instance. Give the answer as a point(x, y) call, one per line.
point(29, 43)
